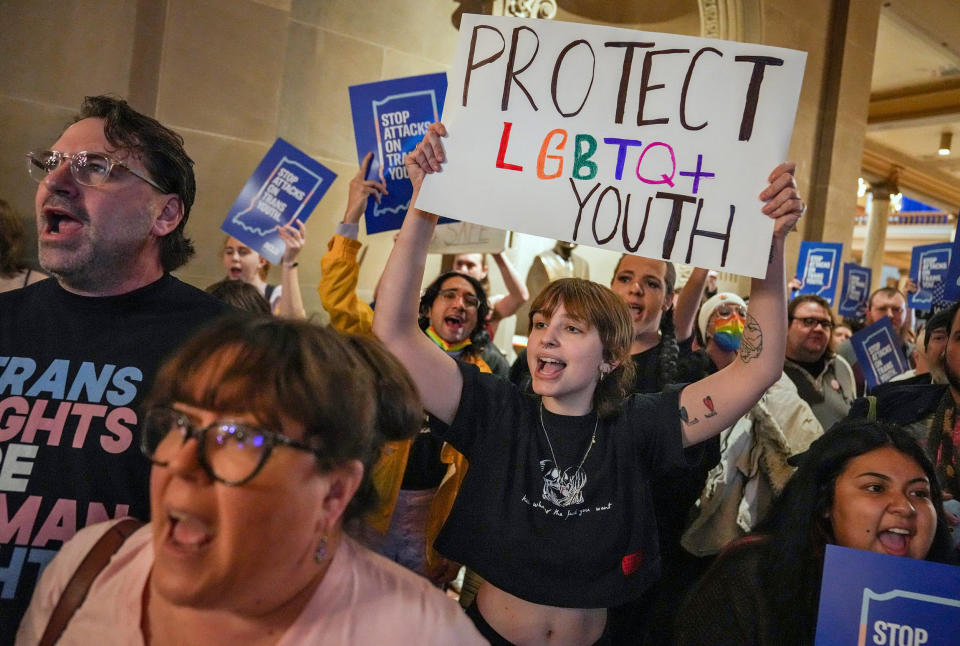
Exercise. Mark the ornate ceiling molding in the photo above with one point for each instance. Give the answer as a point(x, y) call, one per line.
point(738, 20)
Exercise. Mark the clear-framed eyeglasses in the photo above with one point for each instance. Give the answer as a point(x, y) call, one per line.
point(87, 168)
point(230, 452)
point(470, 301)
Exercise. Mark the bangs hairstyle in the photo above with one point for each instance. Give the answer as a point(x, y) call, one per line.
point(599, 308)
point(349, 394)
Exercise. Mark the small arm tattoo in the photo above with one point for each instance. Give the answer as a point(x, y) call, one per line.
point(708, 402)
point(752, 344)
point(686, 418)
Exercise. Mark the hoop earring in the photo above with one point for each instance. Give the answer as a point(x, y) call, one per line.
point(321, 553)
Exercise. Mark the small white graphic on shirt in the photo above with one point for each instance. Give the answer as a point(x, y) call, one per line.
point(562, 488)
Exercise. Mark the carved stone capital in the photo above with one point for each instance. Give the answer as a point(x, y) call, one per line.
point(531, 8)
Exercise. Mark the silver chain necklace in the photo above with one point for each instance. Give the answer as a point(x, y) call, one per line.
point(593, 440)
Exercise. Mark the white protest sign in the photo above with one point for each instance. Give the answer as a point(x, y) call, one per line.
point(653, 144)
point(465, 237)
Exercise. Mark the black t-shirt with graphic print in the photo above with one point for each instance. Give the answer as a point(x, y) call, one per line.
point(73, 373)
point(532, 523)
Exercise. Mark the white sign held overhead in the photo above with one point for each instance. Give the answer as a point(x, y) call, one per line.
point(654, 144)
point(464, 237)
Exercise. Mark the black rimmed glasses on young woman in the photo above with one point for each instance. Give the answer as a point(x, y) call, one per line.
point(229, 452)
point(87, 168)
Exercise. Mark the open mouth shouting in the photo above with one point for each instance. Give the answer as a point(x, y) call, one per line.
point(895, 540)
point(549, 367)
point(58, 222)
point(455, 327)
point(187, 533)
point(636, 310)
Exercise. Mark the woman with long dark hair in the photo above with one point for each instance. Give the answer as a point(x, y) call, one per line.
point(864, 484)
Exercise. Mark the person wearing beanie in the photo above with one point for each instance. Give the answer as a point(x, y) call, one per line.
point(721, 323)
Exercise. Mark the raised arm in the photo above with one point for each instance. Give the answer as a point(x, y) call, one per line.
point(339, 268)
point(395, 319)
point(688, 302)
point(290, 303)
point(517, 293)
point(714, 403)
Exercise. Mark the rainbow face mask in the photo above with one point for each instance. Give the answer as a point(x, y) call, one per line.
point(728, 331)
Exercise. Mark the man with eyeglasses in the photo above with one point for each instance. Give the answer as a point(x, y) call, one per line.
point(78, 352)
point(823, 380)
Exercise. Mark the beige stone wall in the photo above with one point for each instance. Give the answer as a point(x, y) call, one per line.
point(228, 75)
point(831, 117)
point(231, 75)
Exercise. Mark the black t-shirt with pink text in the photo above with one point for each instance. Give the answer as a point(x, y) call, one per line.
point(73, 373)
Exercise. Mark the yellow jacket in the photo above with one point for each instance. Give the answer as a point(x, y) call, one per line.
point(338, 287)
point(349, 314)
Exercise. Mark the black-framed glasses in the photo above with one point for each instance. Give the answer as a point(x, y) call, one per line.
point(810, 322)
point(230, 452)
point(469, 300)
point(87, 168)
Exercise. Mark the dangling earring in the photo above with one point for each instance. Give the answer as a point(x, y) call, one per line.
point(603, 373)
point(321, 552)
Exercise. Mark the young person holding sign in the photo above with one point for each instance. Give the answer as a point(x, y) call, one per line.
point(864, 484)
point(555, 512)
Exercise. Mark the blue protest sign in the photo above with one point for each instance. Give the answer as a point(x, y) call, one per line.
point(878, 350)
point(871, 598)
point(286, 185)
point(818, 267)
point(856, 291)
point(389, 119)
point(928, 267)
point(951, 283)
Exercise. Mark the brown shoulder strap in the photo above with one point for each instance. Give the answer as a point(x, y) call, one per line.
point(92, 564)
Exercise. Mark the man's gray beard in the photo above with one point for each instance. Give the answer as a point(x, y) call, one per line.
point(90, 274)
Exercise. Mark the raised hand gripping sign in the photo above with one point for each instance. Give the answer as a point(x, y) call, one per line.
point(286, 186)
point(653, 144)
point(389, 119)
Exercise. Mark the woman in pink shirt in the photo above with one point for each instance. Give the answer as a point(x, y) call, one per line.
point(261, 432)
